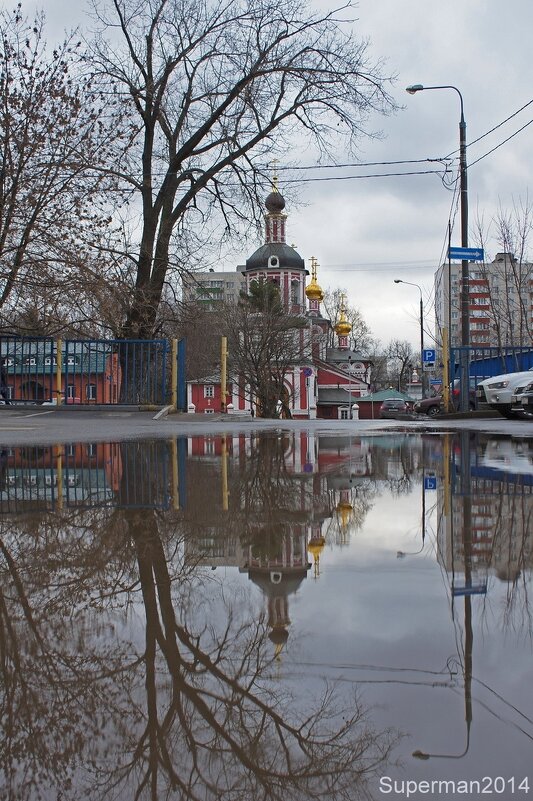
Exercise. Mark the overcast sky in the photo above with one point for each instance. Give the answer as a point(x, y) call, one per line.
point(366, 232)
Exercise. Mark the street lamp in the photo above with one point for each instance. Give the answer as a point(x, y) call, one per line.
point(423, 377)
point(465, 294)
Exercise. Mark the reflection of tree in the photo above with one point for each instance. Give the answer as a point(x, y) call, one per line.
point(220, 729)
point(193, 711)
point(52, 695)
point(270, 498)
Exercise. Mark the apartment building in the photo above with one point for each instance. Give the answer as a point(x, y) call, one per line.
point(500, 302)
point(212, 288)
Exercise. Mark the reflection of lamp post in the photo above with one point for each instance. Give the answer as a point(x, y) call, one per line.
point(401, 281)
point(350, 387)
point(465, 294)
point(467, 664)
point(424, 755)
point(403, 554)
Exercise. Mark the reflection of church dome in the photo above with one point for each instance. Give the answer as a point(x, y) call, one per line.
point(315, 548)
point(275, 582)
point(278, 636)
point(275, 203)
point(344, 508)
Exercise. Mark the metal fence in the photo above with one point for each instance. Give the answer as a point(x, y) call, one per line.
point(75, 371)
point(126, 475)
point(485, 362)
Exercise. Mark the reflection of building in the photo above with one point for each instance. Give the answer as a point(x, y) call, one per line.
point(120, 475)
point(495, 518)
point(270, 503)
point(78, 474)
point(278, 571)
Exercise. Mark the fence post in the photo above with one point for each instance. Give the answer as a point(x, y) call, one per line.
point(174, 375)
point(59, 370)
point(182, 381)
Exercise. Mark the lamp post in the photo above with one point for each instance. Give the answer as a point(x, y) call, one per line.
point(465, 293)
point(423, 375)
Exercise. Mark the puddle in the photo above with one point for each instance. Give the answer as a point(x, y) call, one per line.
point(282, 616)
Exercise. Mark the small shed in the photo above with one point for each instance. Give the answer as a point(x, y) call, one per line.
point(369, 405)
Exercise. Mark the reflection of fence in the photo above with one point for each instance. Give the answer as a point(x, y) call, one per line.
point(84, 475)
point(100, 371)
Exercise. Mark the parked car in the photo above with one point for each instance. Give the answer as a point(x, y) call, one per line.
point(522, 401)
point(433, 406)
point(498, 392)
point(392, 407)
point(430, 406)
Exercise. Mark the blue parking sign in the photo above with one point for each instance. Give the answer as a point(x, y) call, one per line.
point(430, 482)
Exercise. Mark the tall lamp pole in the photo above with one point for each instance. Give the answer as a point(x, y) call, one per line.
point(464, 398)
point(423, 375)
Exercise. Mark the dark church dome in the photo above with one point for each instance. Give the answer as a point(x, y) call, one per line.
point(275, 203)
point(275, 255)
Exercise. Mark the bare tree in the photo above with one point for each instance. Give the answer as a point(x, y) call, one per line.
point(52, 140)
point(360, 337)
point(265, 342)
point(213, 89)
point(508, 276)
point(401, 359)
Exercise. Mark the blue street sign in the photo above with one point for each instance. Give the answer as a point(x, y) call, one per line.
point(472, 589)
point(466, 254)
point(430, 482)
point(428, 355)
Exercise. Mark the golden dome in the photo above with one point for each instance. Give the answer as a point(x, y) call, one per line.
point(314, 291)
point(343, 327)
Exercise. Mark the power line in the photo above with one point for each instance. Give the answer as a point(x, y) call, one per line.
point(501, 143)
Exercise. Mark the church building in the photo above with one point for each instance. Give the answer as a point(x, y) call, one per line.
point(324, 381)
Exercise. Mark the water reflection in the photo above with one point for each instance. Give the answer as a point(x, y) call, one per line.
point(198, 618)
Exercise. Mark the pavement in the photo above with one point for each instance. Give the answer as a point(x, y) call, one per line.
point(36, 425)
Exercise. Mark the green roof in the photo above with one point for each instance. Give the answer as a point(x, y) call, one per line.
point(383, 394)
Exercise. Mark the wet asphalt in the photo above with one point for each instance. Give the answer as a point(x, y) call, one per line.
point(36, 425)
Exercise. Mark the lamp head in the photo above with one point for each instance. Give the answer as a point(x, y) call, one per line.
point(398, 281)
point(417, 87)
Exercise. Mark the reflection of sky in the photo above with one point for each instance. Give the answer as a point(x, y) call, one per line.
point(382, 626)
point(390, 628)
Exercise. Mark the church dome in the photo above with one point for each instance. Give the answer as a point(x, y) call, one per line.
point(275, 255)
point(343, 327)
point(314, 291)
point(275, 203)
